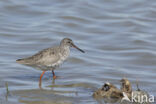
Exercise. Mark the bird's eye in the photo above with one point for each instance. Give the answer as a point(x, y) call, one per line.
point(68, 42)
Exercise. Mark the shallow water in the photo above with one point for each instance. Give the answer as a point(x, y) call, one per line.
point(118, 37)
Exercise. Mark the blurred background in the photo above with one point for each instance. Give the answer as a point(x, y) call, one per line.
point(119, 38)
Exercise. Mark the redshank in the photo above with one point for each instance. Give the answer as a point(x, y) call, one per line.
point(49, 59)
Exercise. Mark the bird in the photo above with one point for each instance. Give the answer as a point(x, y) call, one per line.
point(50, 58)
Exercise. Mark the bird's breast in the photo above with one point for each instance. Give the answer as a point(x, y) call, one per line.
point(63, 56)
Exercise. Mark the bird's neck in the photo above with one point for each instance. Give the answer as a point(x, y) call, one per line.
point(64, 49)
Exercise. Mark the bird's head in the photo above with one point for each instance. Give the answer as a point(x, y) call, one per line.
point(66, 42)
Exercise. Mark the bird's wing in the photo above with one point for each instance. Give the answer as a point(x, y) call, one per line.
point(44, 57)
point(50, 56)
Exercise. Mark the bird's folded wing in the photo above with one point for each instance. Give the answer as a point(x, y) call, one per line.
point(44, 57)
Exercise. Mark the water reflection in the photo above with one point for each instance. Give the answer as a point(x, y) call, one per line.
point(118, 36)
point(54, 93)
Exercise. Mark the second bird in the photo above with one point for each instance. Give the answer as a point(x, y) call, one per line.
point(50, 58)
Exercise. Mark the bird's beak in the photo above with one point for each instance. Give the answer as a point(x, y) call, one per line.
point(77, 48)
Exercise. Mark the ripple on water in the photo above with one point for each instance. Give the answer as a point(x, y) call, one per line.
point(117, 36)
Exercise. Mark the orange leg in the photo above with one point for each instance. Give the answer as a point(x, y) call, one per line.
point(42, 75)
point(54, 76)
point(41, 78)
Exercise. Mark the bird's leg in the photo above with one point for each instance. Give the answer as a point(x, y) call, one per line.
point(54, 76)
point(41, 77)
point(42, 74)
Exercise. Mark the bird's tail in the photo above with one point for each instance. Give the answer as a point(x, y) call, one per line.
point(21, 61)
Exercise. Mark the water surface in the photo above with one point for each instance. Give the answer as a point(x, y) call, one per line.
point(118, 37)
